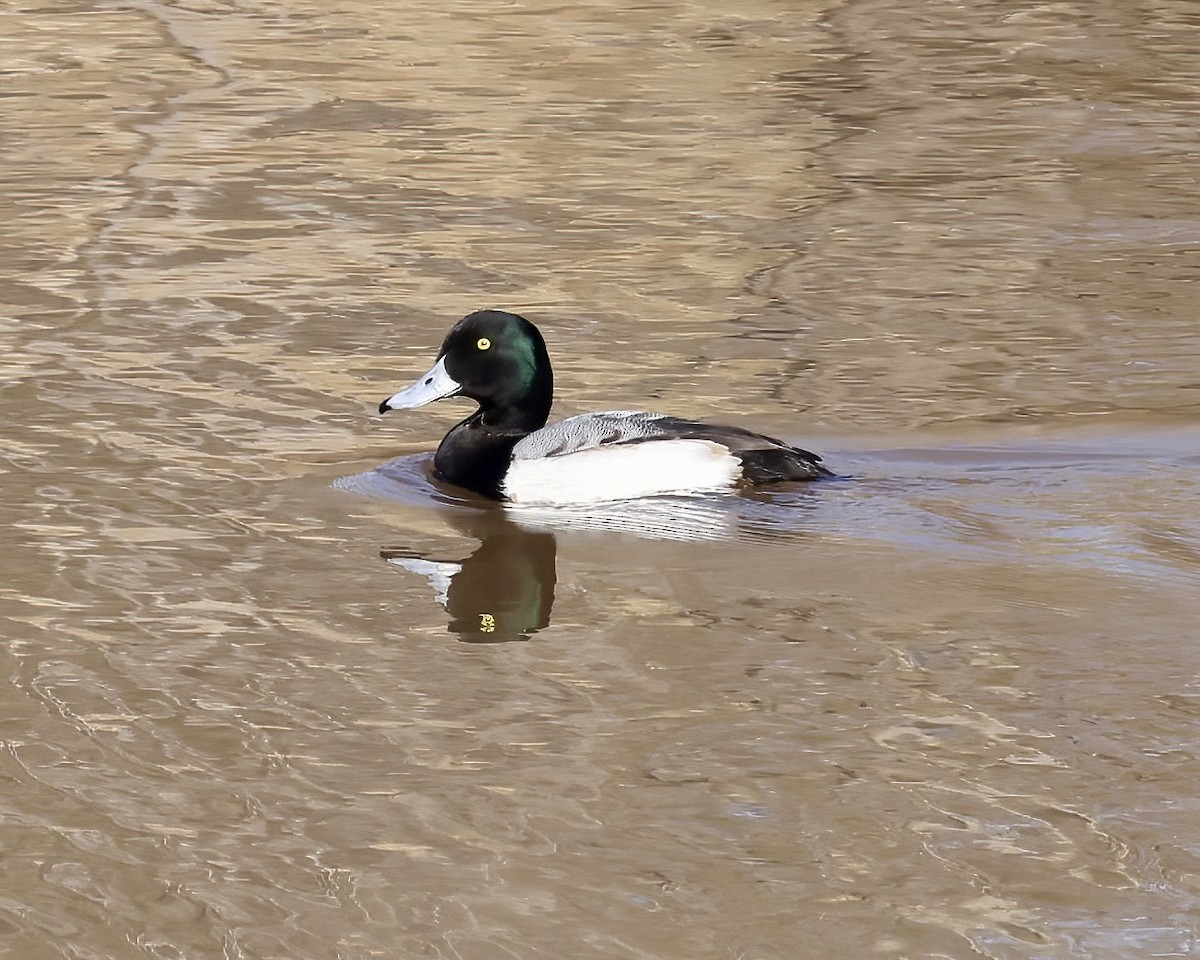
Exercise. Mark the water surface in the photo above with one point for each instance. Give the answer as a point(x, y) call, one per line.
point(256, 709)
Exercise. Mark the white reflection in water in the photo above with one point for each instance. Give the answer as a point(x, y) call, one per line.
point(659, 518)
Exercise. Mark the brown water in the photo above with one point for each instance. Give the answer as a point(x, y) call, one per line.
point(948, 709)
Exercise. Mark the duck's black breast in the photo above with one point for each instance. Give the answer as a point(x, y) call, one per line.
point(475, 456)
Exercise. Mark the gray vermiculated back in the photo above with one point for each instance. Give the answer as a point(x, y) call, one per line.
point(589, 430)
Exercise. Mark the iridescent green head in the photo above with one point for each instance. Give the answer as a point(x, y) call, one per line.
point(495, 358)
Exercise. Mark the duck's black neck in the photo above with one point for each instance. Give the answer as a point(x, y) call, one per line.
point(510, 420)
point(477, 452)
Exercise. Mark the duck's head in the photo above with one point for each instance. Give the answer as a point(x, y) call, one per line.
point(497, 359)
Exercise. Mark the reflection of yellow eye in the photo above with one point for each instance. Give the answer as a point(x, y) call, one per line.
point(483, 343)
point(487, 623)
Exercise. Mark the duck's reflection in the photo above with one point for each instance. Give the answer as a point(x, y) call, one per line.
point(503, 591)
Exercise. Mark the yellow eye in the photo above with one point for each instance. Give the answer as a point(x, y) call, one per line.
point(483, 343)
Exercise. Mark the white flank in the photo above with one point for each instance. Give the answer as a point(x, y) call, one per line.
point(623, 472)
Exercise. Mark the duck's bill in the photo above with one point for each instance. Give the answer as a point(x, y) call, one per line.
point(437, 384)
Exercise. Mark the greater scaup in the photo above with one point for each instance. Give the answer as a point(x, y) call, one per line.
point(504, 450)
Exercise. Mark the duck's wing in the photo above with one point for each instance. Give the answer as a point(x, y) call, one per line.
point(764, 459)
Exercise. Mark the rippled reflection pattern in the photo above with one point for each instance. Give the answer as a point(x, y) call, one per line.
point(946, 709)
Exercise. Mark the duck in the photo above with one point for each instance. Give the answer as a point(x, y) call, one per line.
point(505, 450)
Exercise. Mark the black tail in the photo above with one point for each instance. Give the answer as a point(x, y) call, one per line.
point(780, 464)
